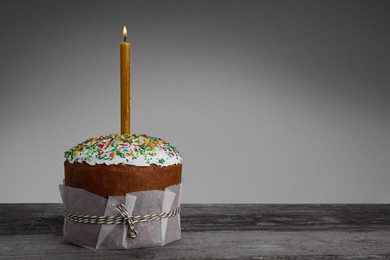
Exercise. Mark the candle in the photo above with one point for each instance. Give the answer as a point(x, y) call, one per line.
point(125, 84)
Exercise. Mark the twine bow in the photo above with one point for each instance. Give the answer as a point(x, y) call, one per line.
point(125, 218)
point(128, 219)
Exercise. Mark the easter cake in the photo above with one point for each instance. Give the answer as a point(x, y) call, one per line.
point(122, 191)
point(116, 164)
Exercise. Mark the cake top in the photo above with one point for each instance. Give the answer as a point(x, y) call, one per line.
point(131, 149)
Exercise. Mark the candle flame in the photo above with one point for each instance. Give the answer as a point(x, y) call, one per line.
point(124, 31)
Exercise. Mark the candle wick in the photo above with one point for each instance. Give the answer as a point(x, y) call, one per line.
point(124, 39)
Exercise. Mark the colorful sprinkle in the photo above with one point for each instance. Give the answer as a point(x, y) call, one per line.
point(139, 150)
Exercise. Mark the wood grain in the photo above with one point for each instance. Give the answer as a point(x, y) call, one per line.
point(218, 231)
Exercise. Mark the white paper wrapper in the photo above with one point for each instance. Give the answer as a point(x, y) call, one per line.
point(111, 236)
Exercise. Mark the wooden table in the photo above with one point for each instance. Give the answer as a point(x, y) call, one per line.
point(217, 231)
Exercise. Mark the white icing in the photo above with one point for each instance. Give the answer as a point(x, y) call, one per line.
point(137, 152)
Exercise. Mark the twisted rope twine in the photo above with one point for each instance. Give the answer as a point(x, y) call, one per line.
point(125, 218)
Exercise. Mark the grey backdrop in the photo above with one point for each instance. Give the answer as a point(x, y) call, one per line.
point(268, 101)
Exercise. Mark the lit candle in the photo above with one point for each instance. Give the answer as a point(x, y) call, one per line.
point(125, 84)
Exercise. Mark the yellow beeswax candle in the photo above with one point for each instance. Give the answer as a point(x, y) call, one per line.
point(125, 84)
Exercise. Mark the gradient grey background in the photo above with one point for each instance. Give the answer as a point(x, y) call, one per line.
point(267, 101)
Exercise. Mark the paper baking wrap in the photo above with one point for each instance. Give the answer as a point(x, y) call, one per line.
point(116, 236)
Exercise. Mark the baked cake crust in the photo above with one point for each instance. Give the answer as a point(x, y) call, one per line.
point(117, 180)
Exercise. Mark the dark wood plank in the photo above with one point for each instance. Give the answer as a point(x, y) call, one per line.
point(47, 218)
point(34, 218)
point(288, 217)
point(218, 231)
point(223, 244)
